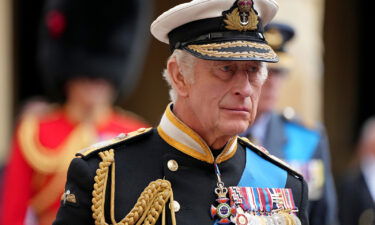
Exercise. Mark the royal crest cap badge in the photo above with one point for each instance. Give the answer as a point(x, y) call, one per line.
point(243, 17)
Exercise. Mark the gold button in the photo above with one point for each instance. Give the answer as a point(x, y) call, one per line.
point(141, 129)
point(121, 136)
point(176, 206)
point(172, 165)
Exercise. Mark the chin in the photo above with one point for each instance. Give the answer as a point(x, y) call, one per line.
point(235, 128)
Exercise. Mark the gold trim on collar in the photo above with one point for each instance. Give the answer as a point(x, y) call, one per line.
point(179, 135)
point(228, 151)
point(178, 123)
point(185, 149)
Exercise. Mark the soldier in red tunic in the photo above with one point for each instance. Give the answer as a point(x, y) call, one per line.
point(85, 57)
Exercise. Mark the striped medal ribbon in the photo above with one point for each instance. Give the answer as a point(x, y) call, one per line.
point(262, 206)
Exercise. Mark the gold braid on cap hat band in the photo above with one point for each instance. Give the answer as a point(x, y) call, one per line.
point(210, 50)
point(148, 207)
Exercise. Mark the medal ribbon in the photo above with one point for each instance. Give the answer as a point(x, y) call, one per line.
point(291, 199)
point(262, 200)
point(285, 199)
point(256, 208)
point(268, 199)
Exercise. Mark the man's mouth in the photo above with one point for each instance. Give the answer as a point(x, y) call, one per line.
point(237, 109)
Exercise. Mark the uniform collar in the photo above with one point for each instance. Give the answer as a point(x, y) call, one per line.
point(183, 138)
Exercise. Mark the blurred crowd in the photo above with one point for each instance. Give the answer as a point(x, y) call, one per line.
point(85, 66)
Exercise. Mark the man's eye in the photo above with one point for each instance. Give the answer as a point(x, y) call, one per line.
point(224, 72)
point(253, 69)
point(226, 68)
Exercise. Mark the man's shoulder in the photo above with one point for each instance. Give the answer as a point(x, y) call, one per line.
point(139, 135)
point(264, 153)
point(295, 124)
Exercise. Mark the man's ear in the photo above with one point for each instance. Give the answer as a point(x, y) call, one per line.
point(179, 82)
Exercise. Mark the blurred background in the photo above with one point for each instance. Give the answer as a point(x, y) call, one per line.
point(330, 83)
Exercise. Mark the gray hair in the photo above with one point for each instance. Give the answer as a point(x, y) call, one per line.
point(186, 63)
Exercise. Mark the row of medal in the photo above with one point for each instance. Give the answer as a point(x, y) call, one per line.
point(262, 206)
point(278, 218)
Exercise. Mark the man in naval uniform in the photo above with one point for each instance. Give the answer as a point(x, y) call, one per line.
point(304, 147)
point(193, 168)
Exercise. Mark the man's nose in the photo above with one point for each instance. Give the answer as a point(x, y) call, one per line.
point(242, 86)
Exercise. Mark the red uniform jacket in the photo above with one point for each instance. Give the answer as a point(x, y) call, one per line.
point(41, 152)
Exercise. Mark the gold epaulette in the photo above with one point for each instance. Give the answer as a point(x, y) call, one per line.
point(105, 145)
point(265, 153)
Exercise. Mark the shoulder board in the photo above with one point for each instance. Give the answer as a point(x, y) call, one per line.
point(265, 154)
point(105, 145)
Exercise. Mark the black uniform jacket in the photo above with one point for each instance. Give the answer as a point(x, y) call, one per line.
point(151, 154)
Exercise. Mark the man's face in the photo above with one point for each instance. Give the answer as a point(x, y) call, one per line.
point(271, 89)
point(224, 95)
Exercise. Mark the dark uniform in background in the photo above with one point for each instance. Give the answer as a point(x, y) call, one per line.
point(79, 42)
point(356, 204)
point(304, 147)
point(136, 177)
point(356, 187)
